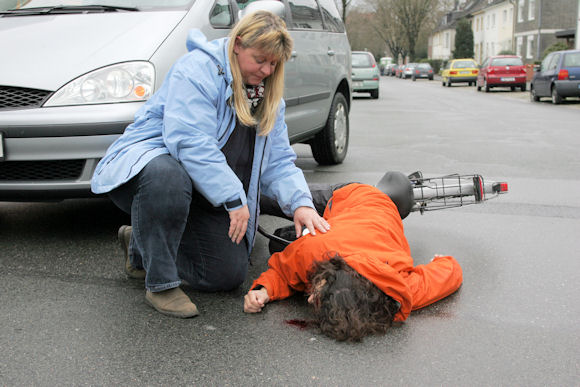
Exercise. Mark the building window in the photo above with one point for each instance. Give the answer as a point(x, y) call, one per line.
point(493, 20)
point(504, 16)
point(492, 48)
point(532, 10)
point(520, 11)
point(530, 47)
point(519, 44)
point(447, 40)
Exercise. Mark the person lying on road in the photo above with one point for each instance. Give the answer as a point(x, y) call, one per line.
point(359, 275)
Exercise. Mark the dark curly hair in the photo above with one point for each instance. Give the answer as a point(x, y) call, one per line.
point(347, 306)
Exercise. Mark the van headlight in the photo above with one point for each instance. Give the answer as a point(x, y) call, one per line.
point(123, 82)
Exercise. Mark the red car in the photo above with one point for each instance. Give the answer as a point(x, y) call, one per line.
point(502, 71)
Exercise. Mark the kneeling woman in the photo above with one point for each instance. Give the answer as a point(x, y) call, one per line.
point(191, 167)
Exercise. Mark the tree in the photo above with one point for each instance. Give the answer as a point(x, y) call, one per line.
point(343, 5)
point(361, 34)
point(463, 40)
point(386, 27)
point(411, 14)
point(399, 22)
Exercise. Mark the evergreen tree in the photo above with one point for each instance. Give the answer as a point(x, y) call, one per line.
point(463, 40)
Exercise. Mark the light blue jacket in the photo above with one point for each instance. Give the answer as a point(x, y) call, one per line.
point(191, 119)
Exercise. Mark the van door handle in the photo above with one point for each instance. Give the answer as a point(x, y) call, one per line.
point(330, 52)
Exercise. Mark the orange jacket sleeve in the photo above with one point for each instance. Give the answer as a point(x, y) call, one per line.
point(434, 281)
point(287, 271)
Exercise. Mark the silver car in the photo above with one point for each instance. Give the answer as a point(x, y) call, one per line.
point(72, 77)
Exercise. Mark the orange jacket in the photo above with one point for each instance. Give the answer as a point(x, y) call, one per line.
point(367, 231)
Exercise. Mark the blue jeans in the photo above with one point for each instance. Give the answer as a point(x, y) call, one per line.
point(177, 234)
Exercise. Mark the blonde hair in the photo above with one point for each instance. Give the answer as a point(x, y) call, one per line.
point(266, 32)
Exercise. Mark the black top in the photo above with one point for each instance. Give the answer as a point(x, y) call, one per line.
point(239, 152)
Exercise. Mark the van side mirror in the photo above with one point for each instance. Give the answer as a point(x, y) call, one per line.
point(276, 7)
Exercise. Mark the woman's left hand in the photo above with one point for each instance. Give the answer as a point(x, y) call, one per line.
point(307, 216)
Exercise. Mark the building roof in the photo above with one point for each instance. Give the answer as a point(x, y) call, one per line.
point(450, 19)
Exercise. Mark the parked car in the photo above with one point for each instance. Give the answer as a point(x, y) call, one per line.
point(384, 62)
point(365, 74)
point(502, 71)
point(422, 70)
point(399, 71)
point(460, 71)
point(389, 69)
point(558, 77)
point(76, 75)
point(408, 70)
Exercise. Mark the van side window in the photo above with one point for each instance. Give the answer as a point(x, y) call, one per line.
point(332, 19)
point(305, 15)
point(221, 14)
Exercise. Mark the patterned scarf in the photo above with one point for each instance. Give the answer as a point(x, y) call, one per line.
point(255, 95)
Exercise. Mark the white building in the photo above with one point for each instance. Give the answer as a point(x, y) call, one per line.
point(493, 28)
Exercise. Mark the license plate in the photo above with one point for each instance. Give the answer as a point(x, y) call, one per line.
point(357, 84)
point(509, 79)
point(1, 146)
point(465, 72)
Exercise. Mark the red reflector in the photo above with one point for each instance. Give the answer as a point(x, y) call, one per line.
point(453, 72)
point(563, 75)
point(503, 187)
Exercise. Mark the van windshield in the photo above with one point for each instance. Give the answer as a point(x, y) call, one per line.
point(16, 5)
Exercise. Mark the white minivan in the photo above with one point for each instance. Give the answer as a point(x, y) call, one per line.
point(74, 72)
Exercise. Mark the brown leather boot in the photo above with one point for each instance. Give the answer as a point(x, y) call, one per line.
point(124, 236)
point(172, 302)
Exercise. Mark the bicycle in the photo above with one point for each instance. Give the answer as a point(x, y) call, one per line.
point(412, 193)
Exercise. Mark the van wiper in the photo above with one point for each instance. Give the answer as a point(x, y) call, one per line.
point(64, 9)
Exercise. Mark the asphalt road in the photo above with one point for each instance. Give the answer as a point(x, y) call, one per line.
point(69, 317)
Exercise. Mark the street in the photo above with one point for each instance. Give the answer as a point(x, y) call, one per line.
point(70, 317)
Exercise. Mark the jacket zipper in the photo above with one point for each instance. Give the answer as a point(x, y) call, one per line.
point(258, 190)
point(228, 127)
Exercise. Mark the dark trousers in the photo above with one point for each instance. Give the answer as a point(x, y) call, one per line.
point(177, 234)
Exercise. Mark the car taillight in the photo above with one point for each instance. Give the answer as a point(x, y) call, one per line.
point(375, 79)
point(374, 65)
point(563, 75)
point(453, 72)
point(475, 71)
point(416, 71)
point(490, 70)
point(430, 71)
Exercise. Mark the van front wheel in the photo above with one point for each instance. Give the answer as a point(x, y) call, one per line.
point(330, 145)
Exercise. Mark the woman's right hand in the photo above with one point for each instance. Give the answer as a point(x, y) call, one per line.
point(238, 224)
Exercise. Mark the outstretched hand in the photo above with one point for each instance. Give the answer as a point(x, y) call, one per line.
point(255, 300)
point(307, 216)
